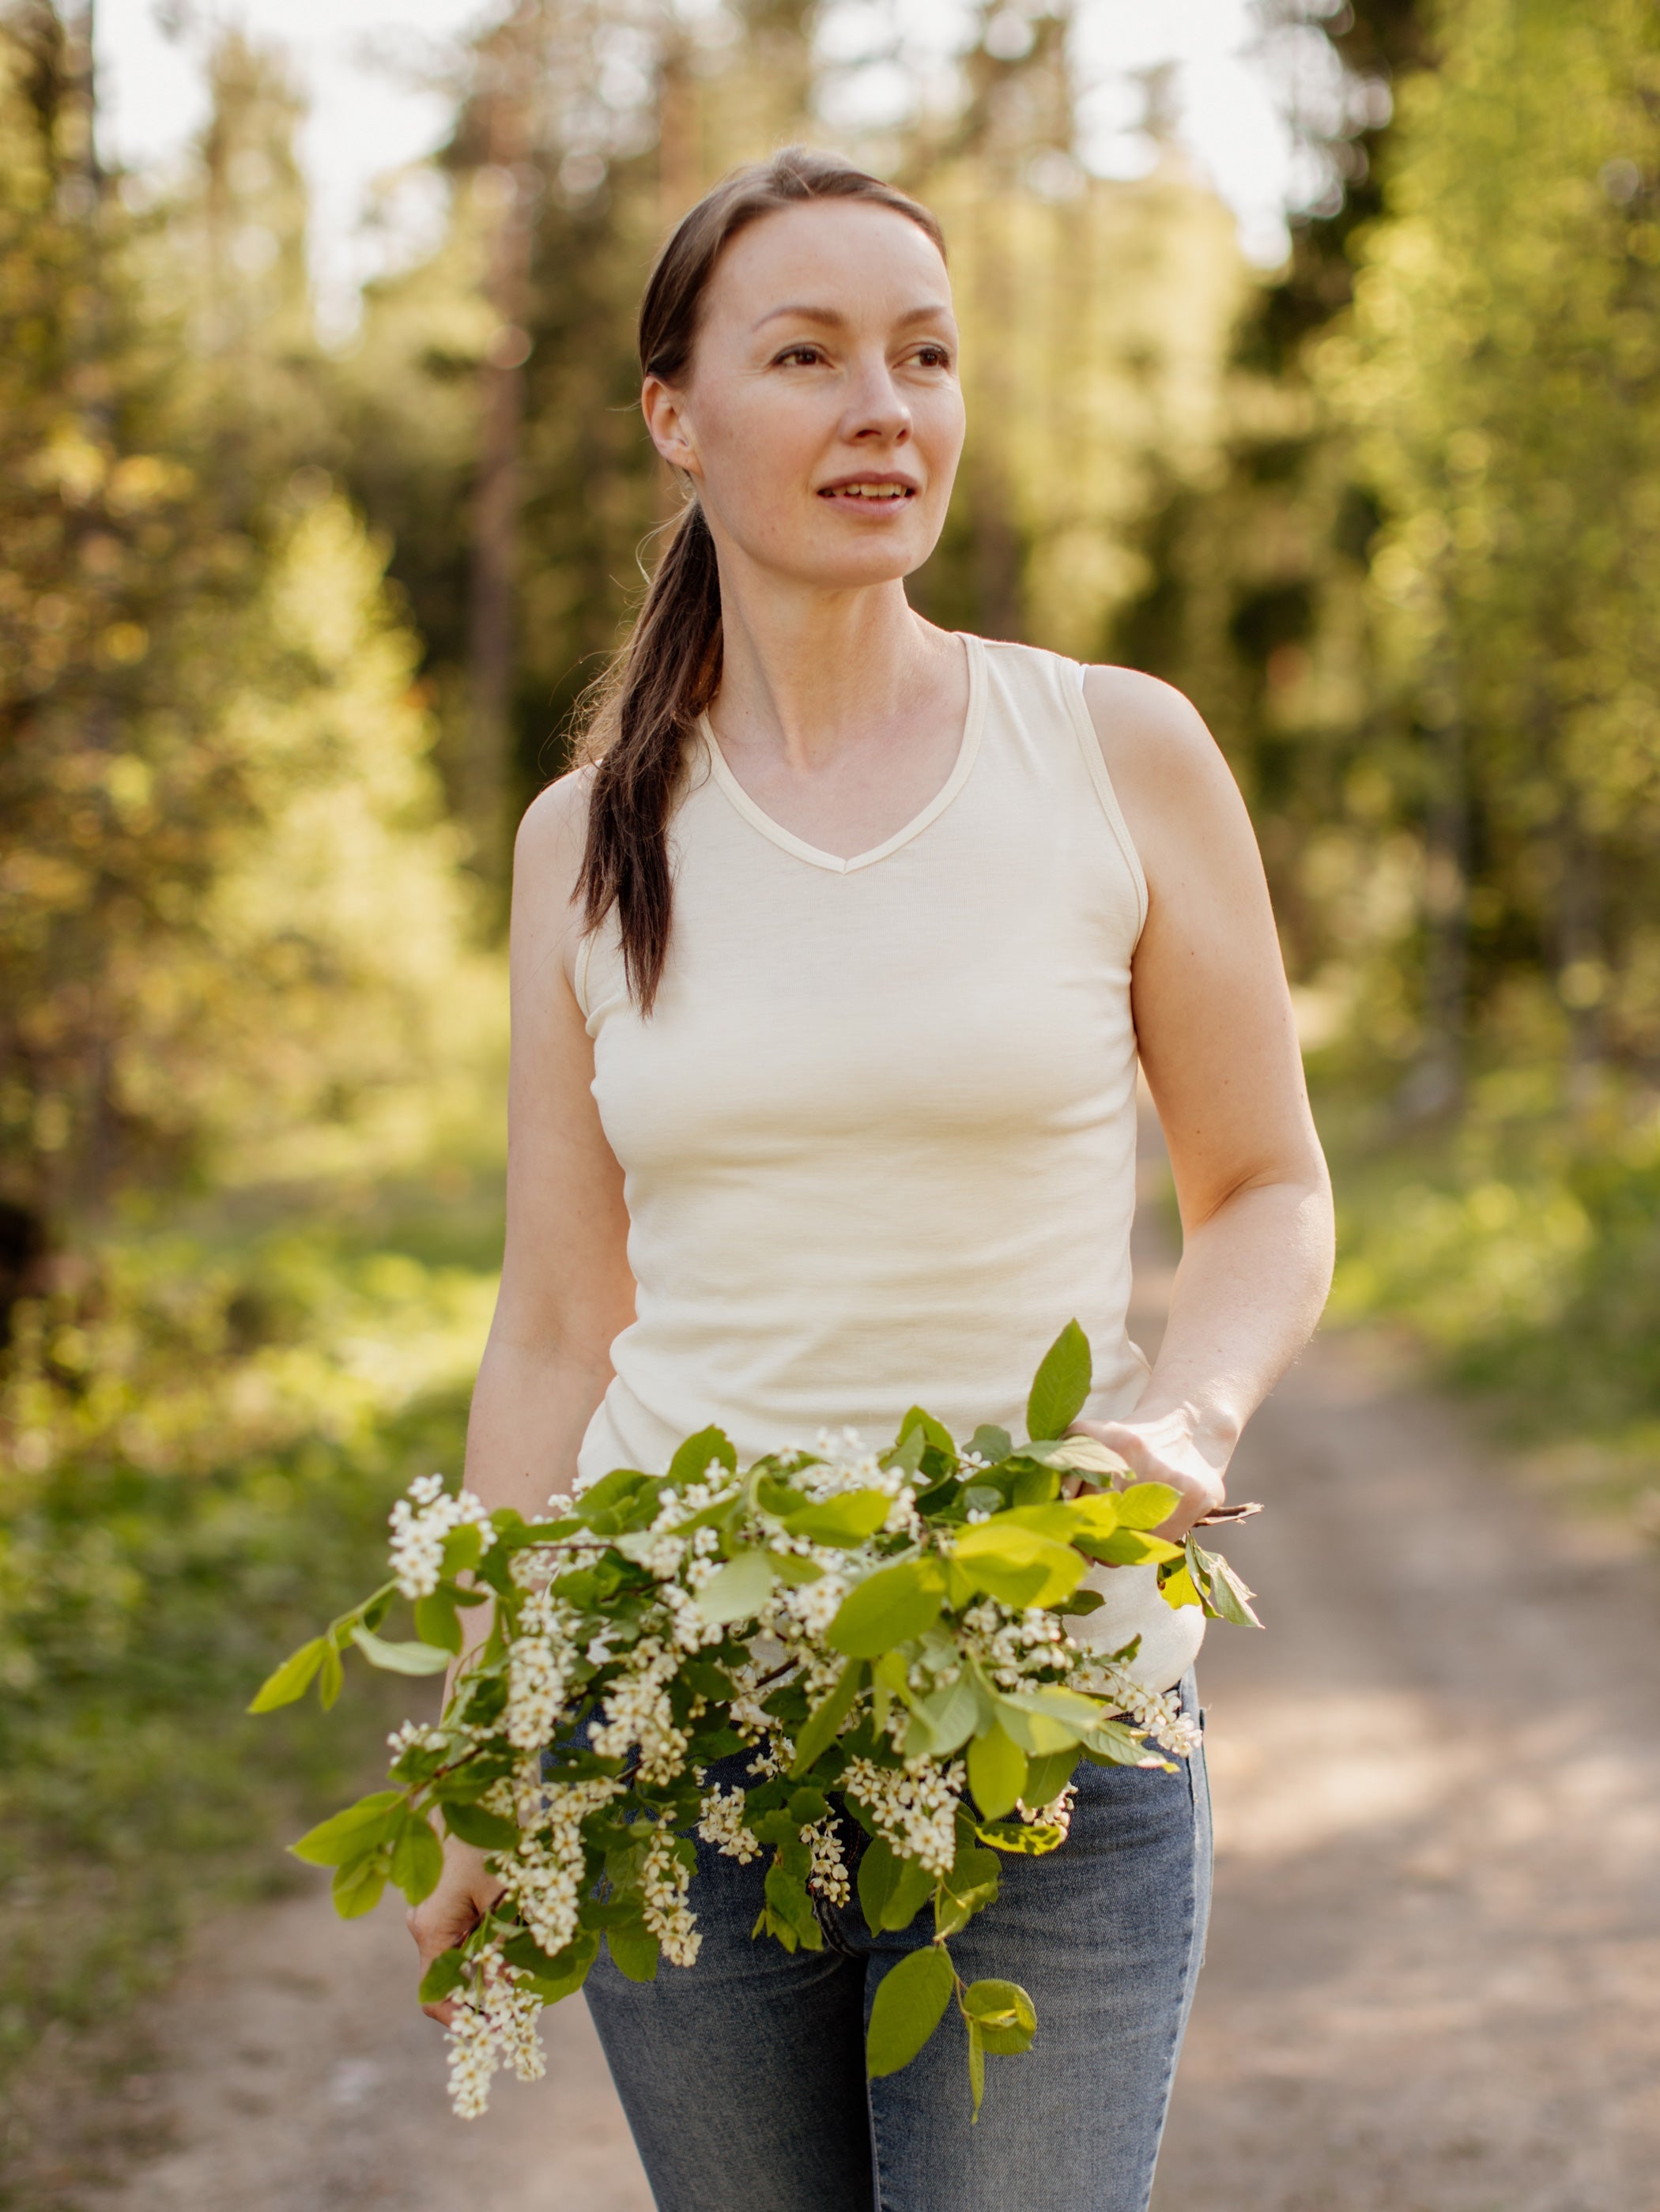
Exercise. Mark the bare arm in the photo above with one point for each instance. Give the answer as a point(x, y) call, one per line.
point(565, 1290)
point(1218, 1048)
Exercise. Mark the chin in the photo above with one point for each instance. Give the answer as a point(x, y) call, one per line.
point(846, 567)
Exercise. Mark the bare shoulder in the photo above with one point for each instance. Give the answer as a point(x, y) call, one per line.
point(1152, 737)
point(1181, 805)
point(555, 825)
point(547, 862)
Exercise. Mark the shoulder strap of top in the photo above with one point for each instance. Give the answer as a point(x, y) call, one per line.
point(1063, 680)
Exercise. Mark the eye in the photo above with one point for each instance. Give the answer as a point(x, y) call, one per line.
point(808, 354)
point(933, 355)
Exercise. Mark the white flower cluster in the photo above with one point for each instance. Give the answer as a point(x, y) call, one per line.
point(846, 1461)
point(721, 1822)
point(544, 1874)
point(829, 1876)
point(493, 2023)
point(415, 1736)
point(637, 1712)
point(1057, 1814)
point(810, 1606)
point(420, 1523)
point(537, 1678)
point(1011, 1646)
point(1156, 1710)
point(666, 1879)
point(913, 1807)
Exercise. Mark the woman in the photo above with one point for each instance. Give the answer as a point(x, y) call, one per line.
point(832, 970)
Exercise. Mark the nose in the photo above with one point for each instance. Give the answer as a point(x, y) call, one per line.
point(878, 412)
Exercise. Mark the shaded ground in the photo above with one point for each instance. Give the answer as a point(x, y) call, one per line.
point(1434, 1974)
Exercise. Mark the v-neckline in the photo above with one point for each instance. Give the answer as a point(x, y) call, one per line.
point(788, 841)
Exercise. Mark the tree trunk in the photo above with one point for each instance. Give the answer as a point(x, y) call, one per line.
point(513, 60)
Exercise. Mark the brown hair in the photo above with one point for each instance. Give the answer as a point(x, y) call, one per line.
point(646, 706)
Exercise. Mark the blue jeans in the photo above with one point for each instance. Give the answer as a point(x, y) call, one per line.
point(743, 2077)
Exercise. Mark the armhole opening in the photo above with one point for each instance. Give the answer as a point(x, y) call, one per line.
point(579, 977)
point(1084, 727)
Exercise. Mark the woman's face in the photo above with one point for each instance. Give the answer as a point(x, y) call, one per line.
point(822, 416)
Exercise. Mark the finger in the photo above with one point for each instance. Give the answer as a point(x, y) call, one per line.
point(443, 2014)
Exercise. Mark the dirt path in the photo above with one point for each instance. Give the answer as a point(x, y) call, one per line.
point(1434, 1975)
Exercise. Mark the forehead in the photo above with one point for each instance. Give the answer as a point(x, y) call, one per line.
point(857, 256)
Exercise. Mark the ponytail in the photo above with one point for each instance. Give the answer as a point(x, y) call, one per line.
point(648, 706)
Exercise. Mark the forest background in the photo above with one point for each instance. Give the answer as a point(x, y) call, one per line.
point(290, 631)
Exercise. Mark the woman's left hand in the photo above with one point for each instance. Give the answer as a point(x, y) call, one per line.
point(1163, 1450)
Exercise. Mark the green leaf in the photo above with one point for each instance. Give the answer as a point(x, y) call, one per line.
point(399, 1658)
point(357, 1886)
point(1033, 1718)
point(1128, 1547)
point(331, 1679)
point(1094, 1516)
point(437, 1622)
point(1112, 1744)
point(790, 1569)
point(977, 2071)
point(1061, 1385)
point(346, 1836)
point(910, 2001)
point(1017, 1564)
point(611, 1491)
point(443, 1977)
point(787, 1899)
point(893, 1606)
point(821, 1730)
point(846, 1520)
point(943, 1722)
point(997, 1773)
point(969, 1888)
point(907, 1454)
point(417, 1858)
point(463, 1549)
point(1048, 1777)
point(1145, 1504)
point(573, 1964)
point(739, 1590)
point(1080, 1603)
point(991, 1444)
point(1031, 1840)
point(489, 1832)
point(1180, 1588)
point(1005, 2014)
point(936, 1436)
point(691, 1461)
point(292, 1679)
point(1081, 1456)
point(634, 1952)
point(892, 1890)
point(1229, 1598)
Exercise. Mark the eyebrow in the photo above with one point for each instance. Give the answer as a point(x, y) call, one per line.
point(934, 311)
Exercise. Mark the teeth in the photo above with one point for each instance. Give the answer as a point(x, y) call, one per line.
point(874, 491)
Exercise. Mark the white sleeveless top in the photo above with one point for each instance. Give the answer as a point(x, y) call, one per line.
point(878, 1135)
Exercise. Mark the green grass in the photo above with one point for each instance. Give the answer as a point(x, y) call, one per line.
point(1522, 1249)
point(201, 1446)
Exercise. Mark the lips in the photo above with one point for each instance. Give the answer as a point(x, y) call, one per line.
point(871, 491)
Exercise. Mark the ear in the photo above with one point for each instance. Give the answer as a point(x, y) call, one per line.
point(670, 425)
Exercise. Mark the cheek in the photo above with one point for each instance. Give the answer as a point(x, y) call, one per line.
point(761, 436)
point(939, 428)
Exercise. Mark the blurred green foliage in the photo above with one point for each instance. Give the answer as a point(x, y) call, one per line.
point(187, 1443)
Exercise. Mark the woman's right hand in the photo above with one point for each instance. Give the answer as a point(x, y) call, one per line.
point(466, 1892)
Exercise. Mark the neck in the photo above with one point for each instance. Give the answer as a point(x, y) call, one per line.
point(805, 672)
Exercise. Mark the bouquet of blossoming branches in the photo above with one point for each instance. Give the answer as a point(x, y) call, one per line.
point(885, 1629)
